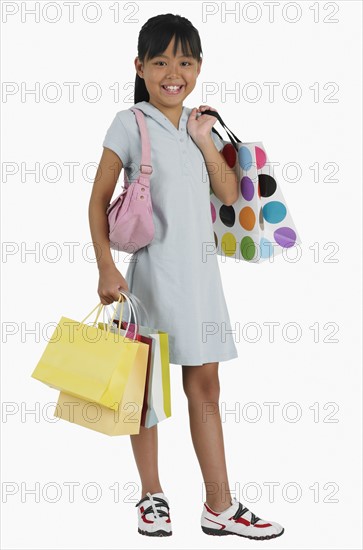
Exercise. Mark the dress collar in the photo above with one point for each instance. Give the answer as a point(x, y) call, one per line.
point(152, 111)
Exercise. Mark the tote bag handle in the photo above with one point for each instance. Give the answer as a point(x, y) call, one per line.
point(234, 140)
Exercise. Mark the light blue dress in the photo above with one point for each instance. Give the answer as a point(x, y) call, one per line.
point(177, 275)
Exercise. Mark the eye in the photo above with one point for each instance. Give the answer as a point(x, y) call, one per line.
point(157, 62)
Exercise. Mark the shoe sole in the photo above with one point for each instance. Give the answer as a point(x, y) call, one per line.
point(222, 532)
point(159, 533)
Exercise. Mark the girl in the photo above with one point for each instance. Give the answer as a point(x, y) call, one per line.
point(176, 277)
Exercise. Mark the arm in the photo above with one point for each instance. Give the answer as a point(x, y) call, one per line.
point(104, 185)
point(223, 179)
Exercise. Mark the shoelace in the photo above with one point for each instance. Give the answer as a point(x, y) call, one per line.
point(153, 508)
point(242, 510)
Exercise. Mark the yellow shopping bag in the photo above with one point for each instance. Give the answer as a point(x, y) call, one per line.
point(90, 363)
point(125, 420)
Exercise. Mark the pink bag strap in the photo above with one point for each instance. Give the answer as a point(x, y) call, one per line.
point(146, 168)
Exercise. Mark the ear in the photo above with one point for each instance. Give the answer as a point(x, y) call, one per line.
point(199, 66)
point(139, 66)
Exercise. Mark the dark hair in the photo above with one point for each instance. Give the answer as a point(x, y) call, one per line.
point(155, 36)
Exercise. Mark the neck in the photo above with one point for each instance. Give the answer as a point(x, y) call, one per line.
point(173, 113)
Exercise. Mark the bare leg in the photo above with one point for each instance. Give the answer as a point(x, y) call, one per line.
point(201, 386)
point(145, 448)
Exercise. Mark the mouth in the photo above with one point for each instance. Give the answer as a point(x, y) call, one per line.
point(172, 90)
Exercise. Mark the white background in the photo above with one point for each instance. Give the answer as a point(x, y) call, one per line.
point(320, 450)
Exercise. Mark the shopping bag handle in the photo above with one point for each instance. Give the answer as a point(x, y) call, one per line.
point(136, 302)
point(110, 323)
point(100, 306)
point(107, 326)
point(234, 140)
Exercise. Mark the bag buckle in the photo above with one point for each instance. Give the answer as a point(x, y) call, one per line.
point(149, 170)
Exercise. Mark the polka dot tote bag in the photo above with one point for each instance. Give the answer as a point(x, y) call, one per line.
point(258, 225)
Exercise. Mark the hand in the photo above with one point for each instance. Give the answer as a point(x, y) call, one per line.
point(110, 281)
point(199, 128)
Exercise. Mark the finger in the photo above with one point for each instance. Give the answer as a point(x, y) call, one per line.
point(106, 300)
point(193, 113)
point(206, 107)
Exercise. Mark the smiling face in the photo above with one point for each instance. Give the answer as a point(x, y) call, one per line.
point(178, 72)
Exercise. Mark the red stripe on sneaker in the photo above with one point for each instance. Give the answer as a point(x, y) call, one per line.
point(216, 523)
point(142, 509)
point(247, 523)
point(210, 511)
point(242, 520)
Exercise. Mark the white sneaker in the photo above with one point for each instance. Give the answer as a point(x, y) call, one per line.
point(153, 515)
point(238, 520)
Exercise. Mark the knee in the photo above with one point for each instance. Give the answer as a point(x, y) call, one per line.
point(206, 390)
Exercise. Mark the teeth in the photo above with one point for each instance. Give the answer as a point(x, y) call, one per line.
point(172, 87)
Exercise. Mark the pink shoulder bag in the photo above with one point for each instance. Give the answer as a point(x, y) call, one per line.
point(130, 215)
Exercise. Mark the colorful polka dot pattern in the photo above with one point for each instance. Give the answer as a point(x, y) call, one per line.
point(258, 225)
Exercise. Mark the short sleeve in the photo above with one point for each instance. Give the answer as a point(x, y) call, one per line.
point(117, 140)
point(217, 141)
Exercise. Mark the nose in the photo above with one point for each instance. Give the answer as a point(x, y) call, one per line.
point(173, 70)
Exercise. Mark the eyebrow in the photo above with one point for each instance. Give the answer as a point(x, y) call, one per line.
point(162, 55)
